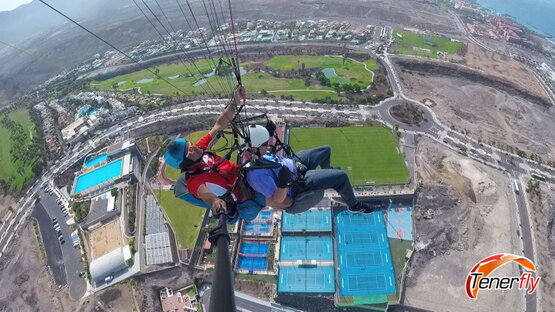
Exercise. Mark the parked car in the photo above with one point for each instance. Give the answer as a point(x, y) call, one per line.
point(62, 241)
point(108, 278)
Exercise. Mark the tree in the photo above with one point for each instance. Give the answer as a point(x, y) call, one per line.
point(114, 192)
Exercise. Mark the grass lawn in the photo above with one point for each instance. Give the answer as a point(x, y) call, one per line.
point(16, 172)
point(347, 71)
point(398, 249)
point(185, 219)
point(371, 64)
point(367, 154)
point(307, 95)
point(171, 173)
point(188, 80)
point(351, 71)
point(255, 277)
point(418, 44)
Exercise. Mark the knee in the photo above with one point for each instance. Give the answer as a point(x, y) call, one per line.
point(325, 149)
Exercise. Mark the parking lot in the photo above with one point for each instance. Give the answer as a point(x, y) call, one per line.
point(64, 260)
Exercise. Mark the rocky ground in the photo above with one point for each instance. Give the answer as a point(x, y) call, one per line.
point(503, 67)
point(258, 289)
point(464, 213)
point(488, 114)
point(542, 208)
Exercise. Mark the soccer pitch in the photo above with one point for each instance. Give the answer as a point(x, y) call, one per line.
point(367, 154)
point(424, 45)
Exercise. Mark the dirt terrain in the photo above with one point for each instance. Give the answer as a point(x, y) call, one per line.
point(258, 289)
point(542, 209)
point(499, 66)
point(118, 298)
point(464, 213)
point(25, 282)
point(488, 114)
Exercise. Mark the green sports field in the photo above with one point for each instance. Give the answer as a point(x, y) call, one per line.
point(185, 219)
point(367, 154)
point(424, 45)
point(16, 172)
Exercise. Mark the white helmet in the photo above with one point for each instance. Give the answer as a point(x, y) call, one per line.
point(258, 135)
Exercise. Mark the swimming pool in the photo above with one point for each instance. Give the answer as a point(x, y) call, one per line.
point(293, 279)
point(96, 160)
point(306, 248)
point(262, 224)
point(99, 175)
point(310, 220)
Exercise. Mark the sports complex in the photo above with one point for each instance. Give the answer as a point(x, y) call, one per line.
point(356, 259)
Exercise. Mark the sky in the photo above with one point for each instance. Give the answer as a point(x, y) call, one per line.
point(8, 5)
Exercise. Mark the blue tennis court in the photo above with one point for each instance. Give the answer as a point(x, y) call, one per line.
point(365, 265)
point(399, 221)
point(306, 248)
point(309, 221)
point(294, 279)
point(252, 263)
point(257, 228)
point(249, 248)
point(253, 256)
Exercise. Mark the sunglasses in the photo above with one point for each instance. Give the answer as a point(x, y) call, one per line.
point(186, 163)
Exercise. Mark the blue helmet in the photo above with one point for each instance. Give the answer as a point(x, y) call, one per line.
point(175, 152)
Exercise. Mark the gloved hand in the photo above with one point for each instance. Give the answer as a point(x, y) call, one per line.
point(271, 127)
point(284, 177)
point(218, 206)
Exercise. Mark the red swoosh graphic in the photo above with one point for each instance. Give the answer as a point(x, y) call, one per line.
point(487, 265)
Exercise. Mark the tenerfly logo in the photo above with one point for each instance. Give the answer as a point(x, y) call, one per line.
point(478, 278)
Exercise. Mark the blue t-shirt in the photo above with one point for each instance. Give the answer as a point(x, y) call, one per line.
point(265, 180)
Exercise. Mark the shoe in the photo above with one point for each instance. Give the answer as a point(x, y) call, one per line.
point(364, 208)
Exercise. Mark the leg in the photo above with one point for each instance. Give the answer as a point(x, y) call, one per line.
point(319, 156)
point(329, 178)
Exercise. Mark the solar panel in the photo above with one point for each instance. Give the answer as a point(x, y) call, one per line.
point(158, 249)
point(154, 217)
